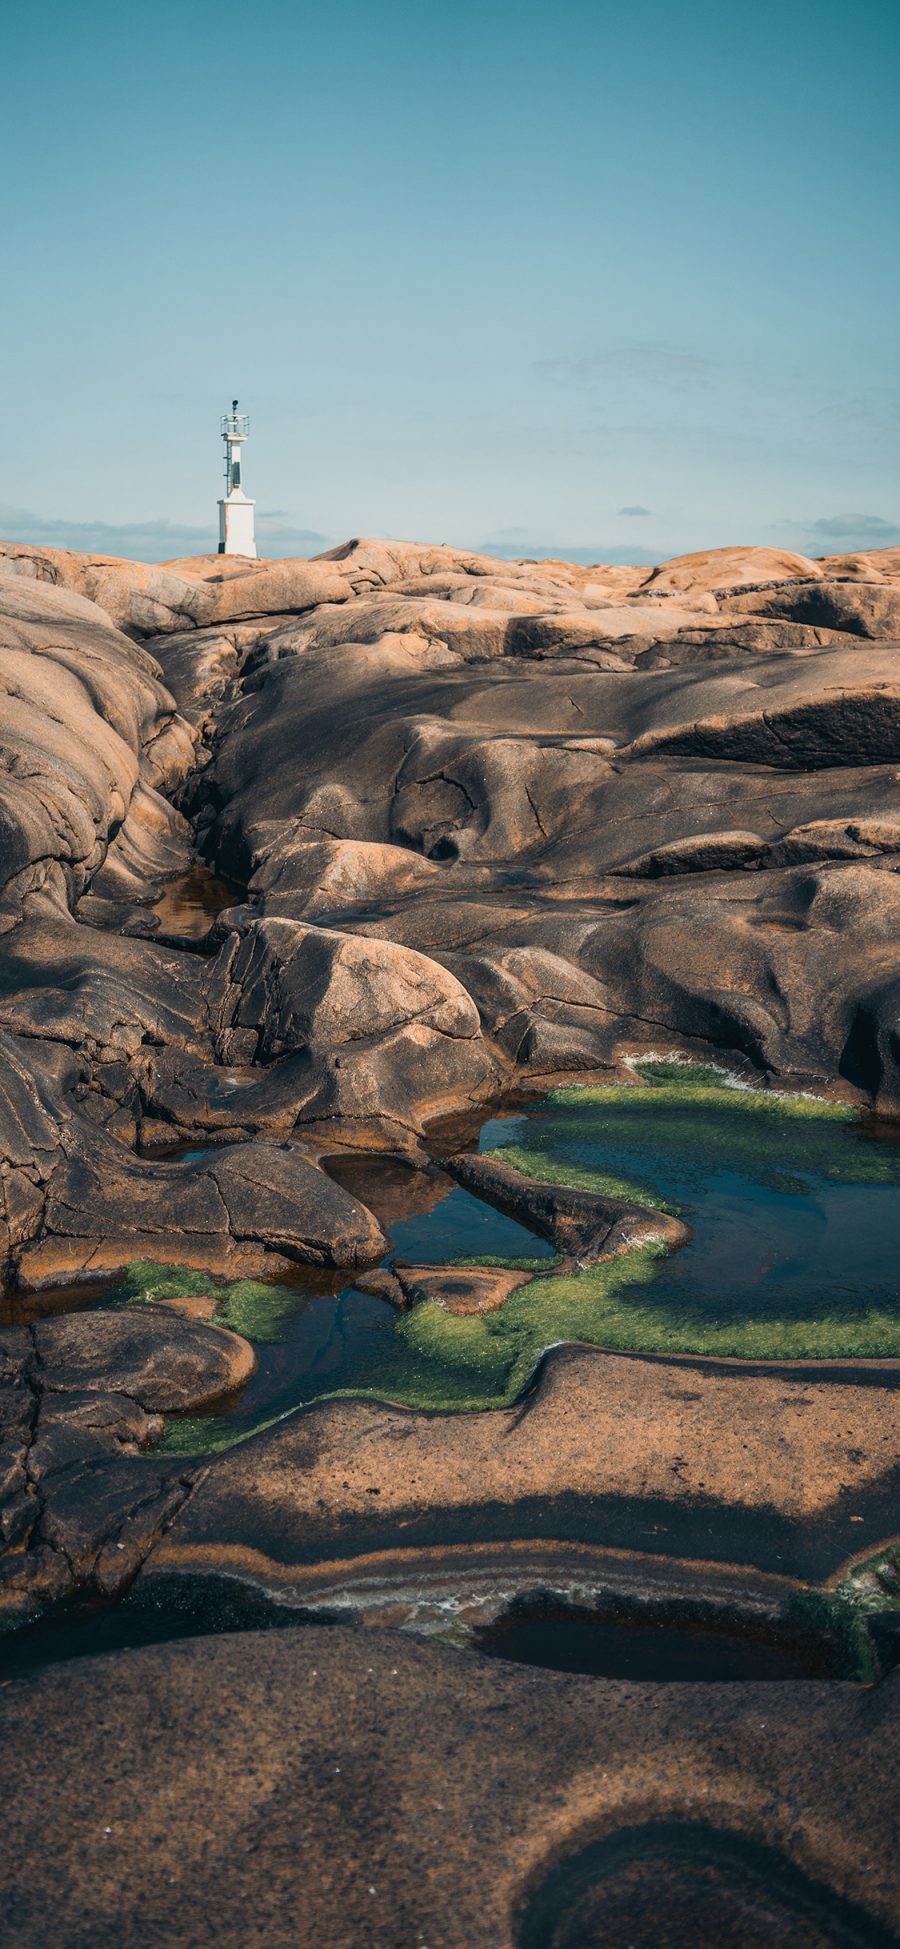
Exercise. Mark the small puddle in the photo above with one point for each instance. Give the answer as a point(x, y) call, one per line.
point(430, 1218)
point(188, 906)
point(793, 1204)
point(159, 1611)
point(646, 1649)
point(642, 1648)
point(317, 1333)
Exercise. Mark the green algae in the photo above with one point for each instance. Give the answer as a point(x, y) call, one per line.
point(261, 1313)
point(707, 1121)
point(599, 1305)
point(146, 1280)
point(250, 1307)
point(499, 1351)
point(508, 1265)
point(198, 1434)
point(823, 1619)
point(694, 1143)
point(535, 1161)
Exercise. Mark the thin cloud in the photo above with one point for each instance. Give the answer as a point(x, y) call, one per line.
point(860, 527)
point(636, 511)
point(560, 551)
point(146, 541)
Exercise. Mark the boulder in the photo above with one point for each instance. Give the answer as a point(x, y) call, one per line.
point(160, 1360)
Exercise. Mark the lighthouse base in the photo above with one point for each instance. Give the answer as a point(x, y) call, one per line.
point(236, 530)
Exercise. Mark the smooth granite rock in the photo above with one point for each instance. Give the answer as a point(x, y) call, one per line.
point(345, 1789)
point(297, 858)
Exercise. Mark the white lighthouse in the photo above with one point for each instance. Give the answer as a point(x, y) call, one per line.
point(236, 535)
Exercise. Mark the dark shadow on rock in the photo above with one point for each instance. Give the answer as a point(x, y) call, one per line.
point(680, 1884)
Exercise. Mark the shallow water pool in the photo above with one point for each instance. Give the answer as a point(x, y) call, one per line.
point(793, 1204)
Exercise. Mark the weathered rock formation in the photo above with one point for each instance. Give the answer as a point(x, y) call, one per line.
point(476, 825)
point(582, 1225)
point(487, 822)
point(779, 1467)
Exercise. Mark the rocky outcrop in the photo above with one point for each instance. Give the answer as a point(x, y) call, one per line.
point(80, 1396)
point(784, 1467)
point(584, 1227)
point(460, 1290)
point(723, 569)
point(369, 1021)
point(78, 1203)
point(491, 821)
point(859, 608)
point(476, 824)
point(86, 721)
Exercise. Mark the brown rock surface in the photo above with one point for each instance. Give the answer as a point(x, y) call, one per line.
point(350, 1789)
point(458, 1289)
point(80, 1396)
point(584, 1225)
point(542, 812)
point(79, 1203)
point(774, 1466)
point(720, 569)
point(161, 1364)
point(502, 856)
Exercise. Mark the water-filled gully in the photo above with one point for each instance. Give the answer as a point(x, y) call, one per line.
point(187, 906)
point(792, 1204)
point(661, 1647)
point(658, 1643)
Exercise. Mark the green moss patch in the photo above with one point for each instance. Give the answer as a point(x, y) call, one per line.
point(537, 1161)
point(689, 1123)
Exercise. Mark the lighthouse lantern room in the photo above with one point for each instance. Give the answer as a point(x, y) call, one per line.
point(236, 535)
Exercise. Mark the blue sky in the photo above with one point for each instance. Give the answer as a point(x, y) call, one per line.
point(614, 281)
